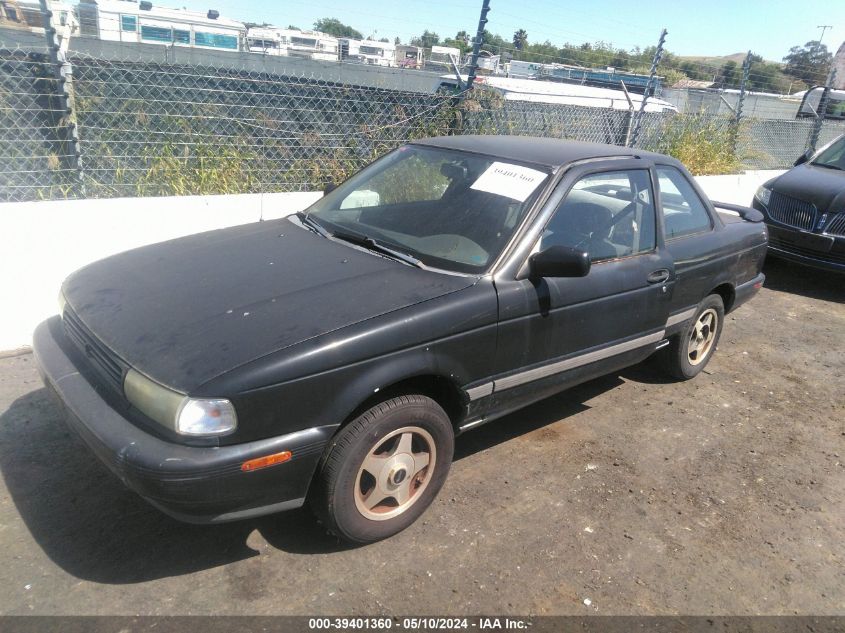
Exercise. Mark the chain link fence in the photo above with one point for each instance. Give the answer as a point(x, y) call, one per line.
point(161, 129)
point(153, 122)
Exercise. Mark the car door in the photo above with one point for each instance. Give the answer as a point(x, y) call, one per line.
point(692, 237)
point(555, 332)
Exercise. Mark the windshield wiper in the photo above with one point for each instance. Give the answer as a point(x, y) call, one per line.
point(369, 243)
point(828, 166)
point(312, 224)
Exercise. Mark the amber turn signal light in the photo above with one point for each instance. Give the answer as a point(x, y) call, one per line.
point(267, 460)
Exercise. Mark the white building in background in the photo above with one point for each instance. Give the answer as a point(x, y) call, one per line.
point(144, 23)
point(308, 44)
point(561, 93)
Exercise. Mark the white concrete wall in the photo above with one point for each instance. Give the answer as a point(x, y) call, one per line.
point(41, 243)
point(736, 188)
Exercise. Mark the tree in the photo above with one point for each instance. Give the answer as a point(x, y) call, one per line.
point(397, 41)
point(429, 39)
point(809, 63)
point(520, 39)
point(729, 76)
point(463, 36)
point(335, 27)
point(384, 39)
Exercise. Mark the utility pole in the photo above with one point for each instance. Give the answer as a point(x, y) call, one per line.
point(823, 27)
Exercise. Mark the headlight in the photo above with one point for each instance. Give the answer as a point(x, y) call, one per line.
point(763, 194)
point(206, 417)
point(176, 411)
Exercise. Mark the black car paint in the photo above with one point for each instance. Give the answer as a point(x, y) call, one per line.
point(825, 189)
point(234, 295)
point(331, 326)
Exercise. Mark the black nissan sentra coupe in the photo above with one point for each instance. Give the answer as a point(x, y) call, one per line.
point(333, 356)
point(805, 209)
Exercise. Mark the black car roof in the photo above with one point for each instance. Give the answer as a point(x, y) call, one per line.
point(550, 152)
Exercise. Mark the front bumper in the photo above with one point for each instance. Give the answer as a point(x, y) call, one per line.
point(794, 245)
point(193, 484)
point(818, 250)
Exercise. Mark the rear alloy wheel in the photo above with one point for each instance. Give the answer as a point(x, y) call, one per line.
point(690, 350)
point(383, 469)
point(702, 337)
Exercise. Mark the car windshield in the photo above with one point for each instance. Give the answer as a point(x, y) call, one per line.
point(449, 210)
point(833, 157)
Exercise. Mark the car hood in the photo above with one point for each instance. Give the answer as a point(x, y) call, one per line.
point(824, 187)
point(185, 311)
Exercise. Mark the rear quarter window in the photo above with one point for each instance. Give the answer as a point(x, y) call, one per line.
point(684, 213)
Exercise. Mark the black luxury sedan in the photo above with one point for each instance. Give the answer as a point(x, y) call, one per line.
point(332, 356)
point(805, 209)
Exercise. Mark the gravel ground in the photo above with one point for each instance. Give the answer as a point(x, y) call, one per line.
point(722, 495)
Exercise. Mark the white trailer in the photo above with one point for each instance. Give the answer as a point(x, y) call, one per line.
point(309, 44)
point(143, 23)
point(348, 49)
point(377, 53)
point(409, 56)
point(26, 15)
point(444, 56)
point(265, 40)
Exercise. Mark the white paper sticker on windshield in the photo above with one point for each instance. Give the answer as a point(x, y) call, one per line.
point(512, 181)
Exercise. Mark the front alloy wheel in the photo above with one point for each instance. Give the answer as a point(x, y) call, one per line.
point(383, 469)
point(395, 473)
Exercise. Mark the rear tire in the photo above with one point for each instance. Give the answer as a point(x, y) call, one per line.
point(383, 469)
point(690, 350)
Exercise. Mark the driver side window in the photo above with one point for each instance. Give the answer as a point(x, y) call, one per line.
point(609, 215)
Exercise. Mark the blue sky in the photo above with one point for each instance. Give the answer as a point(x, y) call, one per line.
point(715, 27)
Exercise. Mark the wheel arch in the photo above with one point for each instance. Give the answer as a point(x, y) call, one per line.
point(728, 294)
point(441, 389)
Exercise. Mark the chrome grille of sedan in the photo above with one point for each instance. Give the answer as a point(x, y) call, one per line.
point(836, 225)
point(792, 212)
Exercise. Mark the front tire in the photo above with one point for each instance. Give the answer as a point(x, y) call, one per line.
point(383, 469)
point(690, 351)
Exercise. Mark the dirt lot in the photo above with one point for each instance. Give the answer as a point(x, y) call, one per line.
point(723, 495)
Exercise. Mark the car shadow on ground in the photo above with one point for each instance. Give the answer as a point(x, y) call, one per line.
point(784, 276)
point(95, 529)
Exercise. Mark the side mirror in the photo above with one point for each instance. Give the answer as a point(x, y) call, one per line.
point(803, 158)
point(559, 261)
point(329, 187)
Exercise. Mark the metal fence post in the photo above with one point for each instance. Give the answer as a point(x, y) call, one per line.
point(746, 71)
point(476, 44)
point(66, 130)
point(650, 86)
point(817, 126)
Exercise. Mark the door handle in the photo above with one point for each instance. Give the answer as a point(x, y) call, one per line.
point(658, 276)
